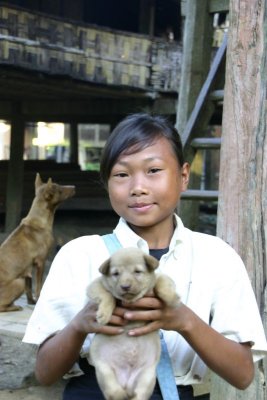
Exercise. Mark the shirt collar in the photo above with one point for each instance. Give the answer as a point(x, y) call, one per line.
point(179, 232)
point(128, 237)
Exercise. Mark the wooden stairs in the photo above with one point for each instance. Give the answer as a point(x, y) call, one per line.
point(208, 99)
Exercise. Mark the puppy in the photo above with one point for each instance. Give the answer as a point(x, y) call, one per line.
point(126, 366)
point(27, 247)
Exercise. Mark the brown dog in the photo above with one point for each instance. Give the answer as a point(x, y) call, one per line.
point(126, 366)
point(27, 247)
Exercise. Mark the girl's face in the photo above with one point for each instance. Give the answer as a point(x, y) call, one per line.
point(145, 187)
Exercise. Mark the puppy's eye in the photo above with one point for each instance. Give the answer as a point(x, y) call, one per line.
point(115, 273)
point(138, 272)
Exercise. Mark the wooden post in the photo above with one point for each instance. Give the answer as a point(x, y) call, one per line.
point(242, 211)
point(74, 145)
point(15, 172)
point(197, 42)
point(147, 17)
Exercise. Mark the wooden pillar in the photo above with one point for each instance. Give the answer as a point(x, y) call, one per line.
point(15, 172)
point(147, 17)
point(74, 143)
point(242, 209)
point(197, 46)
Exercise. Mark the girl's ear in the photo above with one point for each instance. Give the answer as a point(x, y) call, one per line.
point(185, 172)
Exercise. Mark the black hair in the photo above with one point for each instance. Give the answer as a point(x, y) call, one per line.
point(136, 132)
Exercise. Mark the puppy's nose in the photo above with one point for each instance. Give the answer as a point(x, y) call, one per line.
point(126, 287)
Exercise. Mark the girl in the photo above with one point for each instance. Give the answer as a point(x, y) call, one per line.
point(216, 327)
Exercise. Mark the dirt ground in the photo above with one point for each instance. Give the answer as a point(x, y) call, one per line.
point(32, 393)
point(17, 381)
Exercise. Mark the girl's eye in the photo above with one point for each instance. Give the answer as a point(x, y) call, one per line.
point(120, 175)
point(154, 170)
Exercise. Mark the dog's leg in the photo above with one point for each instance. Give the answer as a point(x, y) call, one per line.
point(39, 265)
point(106, 302)
point(145, 384)
point(105, 309)
point(28, 290)
point(38, 269)
point(165, 289)
point(108, 382)
point(10, 293)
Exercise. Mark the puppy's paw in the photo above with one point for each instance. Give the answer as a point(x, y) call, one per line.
point(102, 319)
point(103, 316)
point(165, 289)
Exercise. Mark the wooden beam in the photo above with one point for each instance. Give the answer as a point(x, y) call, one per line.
point(197, 46)
point(217, 6)
point(214, 6)
point(15, 172)
point(192, 194)
point(88, 109)
point(206, 143)
point(147, 17)
point(74, 145)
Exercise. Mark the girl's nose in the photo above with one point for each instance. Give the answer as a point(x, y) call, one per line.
point(138, 191)
point(138, 187)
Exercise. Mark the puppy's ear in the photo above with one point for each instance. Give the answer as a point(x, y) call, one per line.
point(104, 268)
point(151, 262)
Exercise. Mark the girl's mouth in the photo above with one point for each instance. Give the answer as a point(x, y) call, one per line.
point(141, 206)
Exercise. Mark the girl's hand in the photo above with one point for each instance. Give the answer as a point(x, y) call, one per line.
point(232, 360)
point(85, 321)
point(154, 312)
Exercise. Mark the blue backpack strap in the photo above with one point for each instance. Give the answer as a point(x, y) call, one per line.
point(166, 380)
point(112, 242)
point(165, 375)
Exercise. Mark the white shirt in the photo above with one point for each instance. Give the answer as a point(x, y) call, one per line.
point(209, 275)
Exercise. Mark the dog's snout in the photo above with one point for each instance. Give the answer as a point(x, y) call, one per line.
point(126, 287)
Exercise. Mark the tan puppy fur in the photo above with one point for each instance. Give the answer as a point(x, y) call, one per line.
point(126, 366)
point(27, 247)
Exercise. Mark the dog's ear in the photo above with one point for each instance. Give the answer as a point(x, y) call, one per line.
point(104, 267)
point(38, 180)
point(49, 182)
point(151, 262)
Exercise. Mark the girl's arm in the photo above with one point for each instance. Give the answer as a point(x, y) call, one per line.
point(230, 360)
point(58, 353)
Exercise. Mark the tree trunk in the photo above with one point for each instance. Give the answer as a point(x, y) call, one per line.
point(242, 209)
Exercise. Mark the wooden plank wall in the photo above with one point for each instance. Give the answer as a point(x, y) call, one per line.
point(86, 52)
